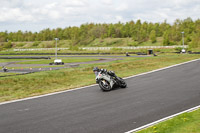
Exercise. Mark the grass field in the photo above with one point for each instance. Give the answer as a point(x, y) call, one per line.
point(5, 74)
point(93, 43)
point(44, 61)
point(184, 123)
point(65, 60)
point(107, 42)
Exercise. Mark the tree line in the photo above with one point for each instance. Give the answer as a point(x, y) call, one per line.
point(137, 30)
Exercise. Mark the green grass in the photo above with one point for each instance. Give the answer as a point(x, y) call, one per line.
point(159, 42)
point(45, 61)
point(106, 42)
point(22, 86)
point(184, 123)
point(13, 60)
point(94, 43)
point(6, 74)
point(68, 60)
point(41, 44)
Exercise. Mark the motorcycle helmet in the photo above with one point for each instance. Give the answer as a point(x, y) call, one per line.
point(95, 69)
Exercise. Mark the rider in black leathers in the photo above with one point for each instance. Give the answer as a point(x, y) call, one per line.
point(96, 70)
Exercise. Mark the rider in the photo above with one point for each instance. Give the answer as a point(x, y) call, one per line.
point(96, 70)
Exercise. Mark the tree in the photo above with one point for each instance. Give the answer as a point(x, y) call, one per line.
point(111, 30)
point(2, 37)
point(136, 30)
point(20, 36)
point(195, 41)
point(166, 38)
point(153, 36)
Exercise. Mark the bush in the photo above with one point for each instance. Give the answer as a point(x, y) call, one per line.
point(74, 48)
point(8, 45)
point(135, 44)
point(157, 50)
point(178, 49)
point(172, 43)
point(35, 44)
point(20, 44)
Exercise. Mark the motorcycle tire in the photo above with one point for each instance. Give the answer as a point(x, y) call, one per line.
point(104, 85)
point(122, 83)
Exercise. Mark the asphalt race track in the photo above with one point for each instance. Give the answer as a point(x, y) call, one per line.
point(148, 98)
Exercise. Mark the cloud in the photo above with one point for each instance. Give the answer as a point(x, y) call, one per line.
point(107, 2)
point(14, 14)
point(74, 3)
point(63, 13)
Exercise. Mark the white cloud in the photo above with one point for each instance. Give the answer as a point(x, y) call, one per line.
point(63, 13)
point(107, 2)
point(74, 3)
point(119, 18)
point(14, 14)
point(121, 7)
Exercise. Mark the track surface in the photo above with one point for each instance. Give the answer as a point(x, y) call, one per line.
point(148, 98)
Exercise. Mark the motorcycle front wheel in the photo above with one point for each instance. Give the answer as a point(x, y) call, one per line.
point(104, 85)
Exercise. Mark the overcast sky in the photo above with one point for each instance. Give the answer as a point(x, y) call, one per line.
point(35, 15)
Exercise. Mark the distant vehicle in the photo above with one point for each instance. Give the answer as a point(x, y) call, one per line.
point(4, 69)
point(183, 50)
point(57, 62)
point(107, 80)
point(127, 54)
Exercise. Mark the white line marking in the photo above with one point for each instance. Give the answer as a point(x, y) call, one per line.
point(161, 120)
point(18, 100)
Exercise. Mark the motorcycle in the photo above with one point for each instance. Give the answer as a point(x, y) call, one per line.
point(5, 69)
point(108, 80)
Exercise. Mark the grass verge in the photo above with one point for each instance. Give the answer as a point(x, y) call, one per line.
point(6, 74)
point(184, 123)
point(47, 61)
point(22, 86)
point(68, 60)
